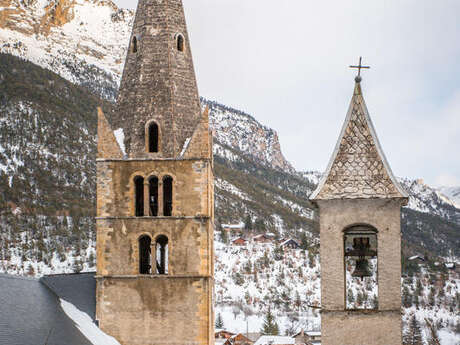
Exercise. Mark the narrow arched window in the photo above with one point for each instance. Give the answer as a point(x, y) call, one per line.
point(134, 45)
point(180, 42)
point(139, 196)
point(161, 254)
point(153, 196)
point(167, 196)
point(153, 137)
point(145, 266)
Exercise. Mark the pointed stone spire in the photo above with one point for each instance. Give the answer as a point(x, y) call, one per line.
point(358, 168)
point(158, 82)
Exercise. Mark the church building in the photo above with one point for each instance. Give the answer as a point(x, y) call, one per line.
point(155, 192)
point(359, 202)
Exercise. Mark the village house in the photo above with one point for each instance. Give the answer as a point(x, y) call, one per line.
point(289, 244)
point(238, 339)
point(222, 334)
point(264, 238)
point(240, 241)
point(233, 228)
point(308, 337)
point(274, 340)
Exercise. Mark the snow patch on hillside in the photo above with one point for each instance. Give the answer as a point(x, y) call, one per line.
point(228, 187)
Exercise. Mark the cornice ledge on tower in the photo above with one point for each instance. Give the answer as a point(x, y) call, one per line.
point(153, 276)
point(198, 217)
point(151, 159)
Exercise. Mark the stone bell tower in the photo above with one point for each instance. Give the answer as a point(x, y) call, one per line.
point(155, 196)
point(359, 203)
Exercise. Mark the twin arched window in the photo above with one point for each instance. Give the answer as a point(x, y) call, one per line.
point(160, 256)
point(153, 200)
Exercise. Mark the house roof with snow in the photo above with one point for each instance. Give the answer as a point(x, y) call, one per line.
point(358, 168)
point(31, 314)
point(289, 241)
point(274, 340)
point(53, 310)
point(233, 226)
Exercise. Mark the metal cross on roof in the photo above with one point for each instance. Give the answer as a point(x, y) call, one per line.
point(359, 68)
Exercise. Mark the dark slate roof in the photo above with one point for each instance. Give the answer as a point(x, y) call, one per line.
point(78, 289)
point(31, 314)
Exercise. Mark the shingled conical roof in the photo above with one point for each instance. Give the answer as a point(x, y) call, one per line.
point(158, 82)
point(358, 168)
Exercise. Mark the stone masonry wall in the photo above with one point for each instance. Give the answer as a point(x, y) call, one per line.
point(357, 328)
point(153, 310)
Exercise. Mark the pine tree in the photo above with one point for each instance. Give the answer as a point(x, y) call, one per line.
point(406, 298)
point(270, 327)
point(219, 322)
point(413, 335)
point(248, 223)
point(304, 243)
point(433, 338)
point(223, 234)
point(350, 297)
point(431, 299)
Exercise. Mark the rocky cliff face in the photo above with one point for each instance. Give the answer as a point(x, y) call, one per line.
point(84, 41)
point(241, 131)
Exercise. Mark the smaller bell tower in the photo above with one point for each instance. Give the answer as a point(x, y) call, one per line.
point(359, 202)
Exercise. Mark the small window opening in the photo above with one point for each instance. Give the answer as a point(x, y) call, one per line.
point(153, 197)
point(162, 254)
point(153, 137)
point(361, 264)
point(145, 266)
point(167, 196)
point(134, 44)
point(139, 196)
point(180, 43)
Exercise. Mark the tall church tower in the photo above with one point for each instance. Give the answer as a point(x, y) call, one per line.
point(155, 197)
point(359, 203)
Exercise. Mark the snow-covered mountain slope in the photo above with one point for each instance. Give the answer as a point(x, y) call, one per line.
point(426, 199)
point(85, 41)
point(453, 193)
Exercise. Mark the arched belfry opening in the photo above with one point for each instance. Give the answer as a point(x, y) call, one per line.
point(361, 267)
point(161, 245)
point(153, 196)
point(139, 196)
point(134, 44)
point(145, 266)
point(180, 41)
point(153, 137)
point(167, 196)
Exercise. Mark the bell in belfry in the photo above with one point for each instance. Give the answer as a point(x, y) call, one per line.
point(362, 268)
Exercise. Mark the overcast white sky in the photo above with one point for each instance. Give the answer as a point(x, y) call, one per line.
point(286, 63)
